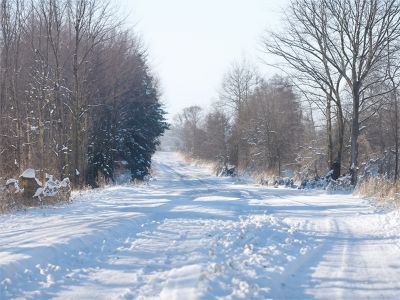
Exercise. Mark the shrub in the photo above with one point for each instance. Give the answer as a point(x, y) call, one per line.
point(54, 191)
point(13, 197)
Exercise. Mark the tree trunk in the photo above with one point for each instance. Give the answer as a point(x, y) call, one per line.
point(355, 131)
point(279, 166)
point(329, 132)
point(396, 135)
point(341, 128)
point(75, 170)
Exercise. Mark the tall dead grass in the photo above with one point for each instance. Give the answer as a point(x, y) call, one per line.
point(382, 189)
point(208, 164)
point(9, 201)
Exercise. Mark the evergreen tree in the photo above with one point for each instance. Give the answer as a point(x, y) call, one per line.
point(128, 129)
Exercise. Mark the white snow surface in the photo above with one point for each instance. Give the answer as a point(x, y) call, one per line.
point(189, 235)
point(29, 173)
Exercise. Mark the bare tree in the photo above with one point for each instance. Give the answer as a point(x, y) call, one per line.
point(217, 130)
point(357, 36)
point(237, 86)
point(303, 48)
point(190, 124)
point(273, 126)
point(92, 21)
point(272, 130)
point(63, 63)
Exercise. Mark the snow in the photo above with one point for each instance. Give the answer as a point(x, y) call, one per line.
point(11, 181)
point(29, 173)
point(38, 192)
point(15, 183)
point(189, 235)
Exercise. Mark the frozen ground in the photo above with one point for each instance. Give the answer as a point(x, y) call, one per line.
point(188, 235)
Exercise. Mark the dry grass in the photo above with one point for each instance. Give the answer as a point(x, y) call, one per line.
point(261, 177)
point(212, 166)
point(264, 178)
point(11, 201)
point(383, 190)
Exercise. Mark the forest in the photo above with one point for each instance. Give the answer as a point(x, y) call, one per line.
point(332, 109)
point(277, 178)
point(77, 94)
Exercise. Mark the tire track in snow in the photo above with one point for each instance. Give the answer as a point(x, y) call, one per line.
point(179, 237)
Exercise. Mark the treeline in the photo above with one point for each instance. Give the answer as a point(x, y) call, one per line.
point(76, 92)
point(257, 125)
point(336, 107)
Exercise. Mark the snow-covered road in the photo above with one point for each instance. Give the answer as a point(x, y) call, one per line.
point(189, 235)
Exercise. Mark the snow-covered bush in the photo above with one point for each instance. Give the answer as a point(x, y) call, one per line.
point(342, 184)
point(314, 183)
point(269, 179)
point(282, 181)
point(29, 184)
point(54, 191)
point(380, 167)
point(29, 191)
point(227, 171)
point(13, 186)
point(9, 195)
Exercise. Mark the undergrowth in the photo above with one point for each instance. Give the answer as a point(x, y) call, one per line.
point(385, 191)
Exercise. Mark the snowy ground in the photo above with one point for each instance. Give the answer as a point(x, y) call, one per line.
point(188, 235)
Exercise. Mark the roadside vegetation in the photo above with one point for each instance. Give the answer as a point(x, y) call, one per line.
point(331, 112)
point(78, 97)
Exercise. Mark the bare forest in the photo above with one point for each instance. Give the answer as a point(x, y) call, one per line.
point(333, 109)
point(273, 175)
point(77, 94)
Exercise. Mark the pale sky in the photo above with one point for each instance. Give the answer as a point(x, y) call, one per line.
point(192, 43)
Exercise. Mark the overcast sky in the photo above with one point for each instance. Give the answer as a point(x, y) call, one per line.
point(193, 42)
